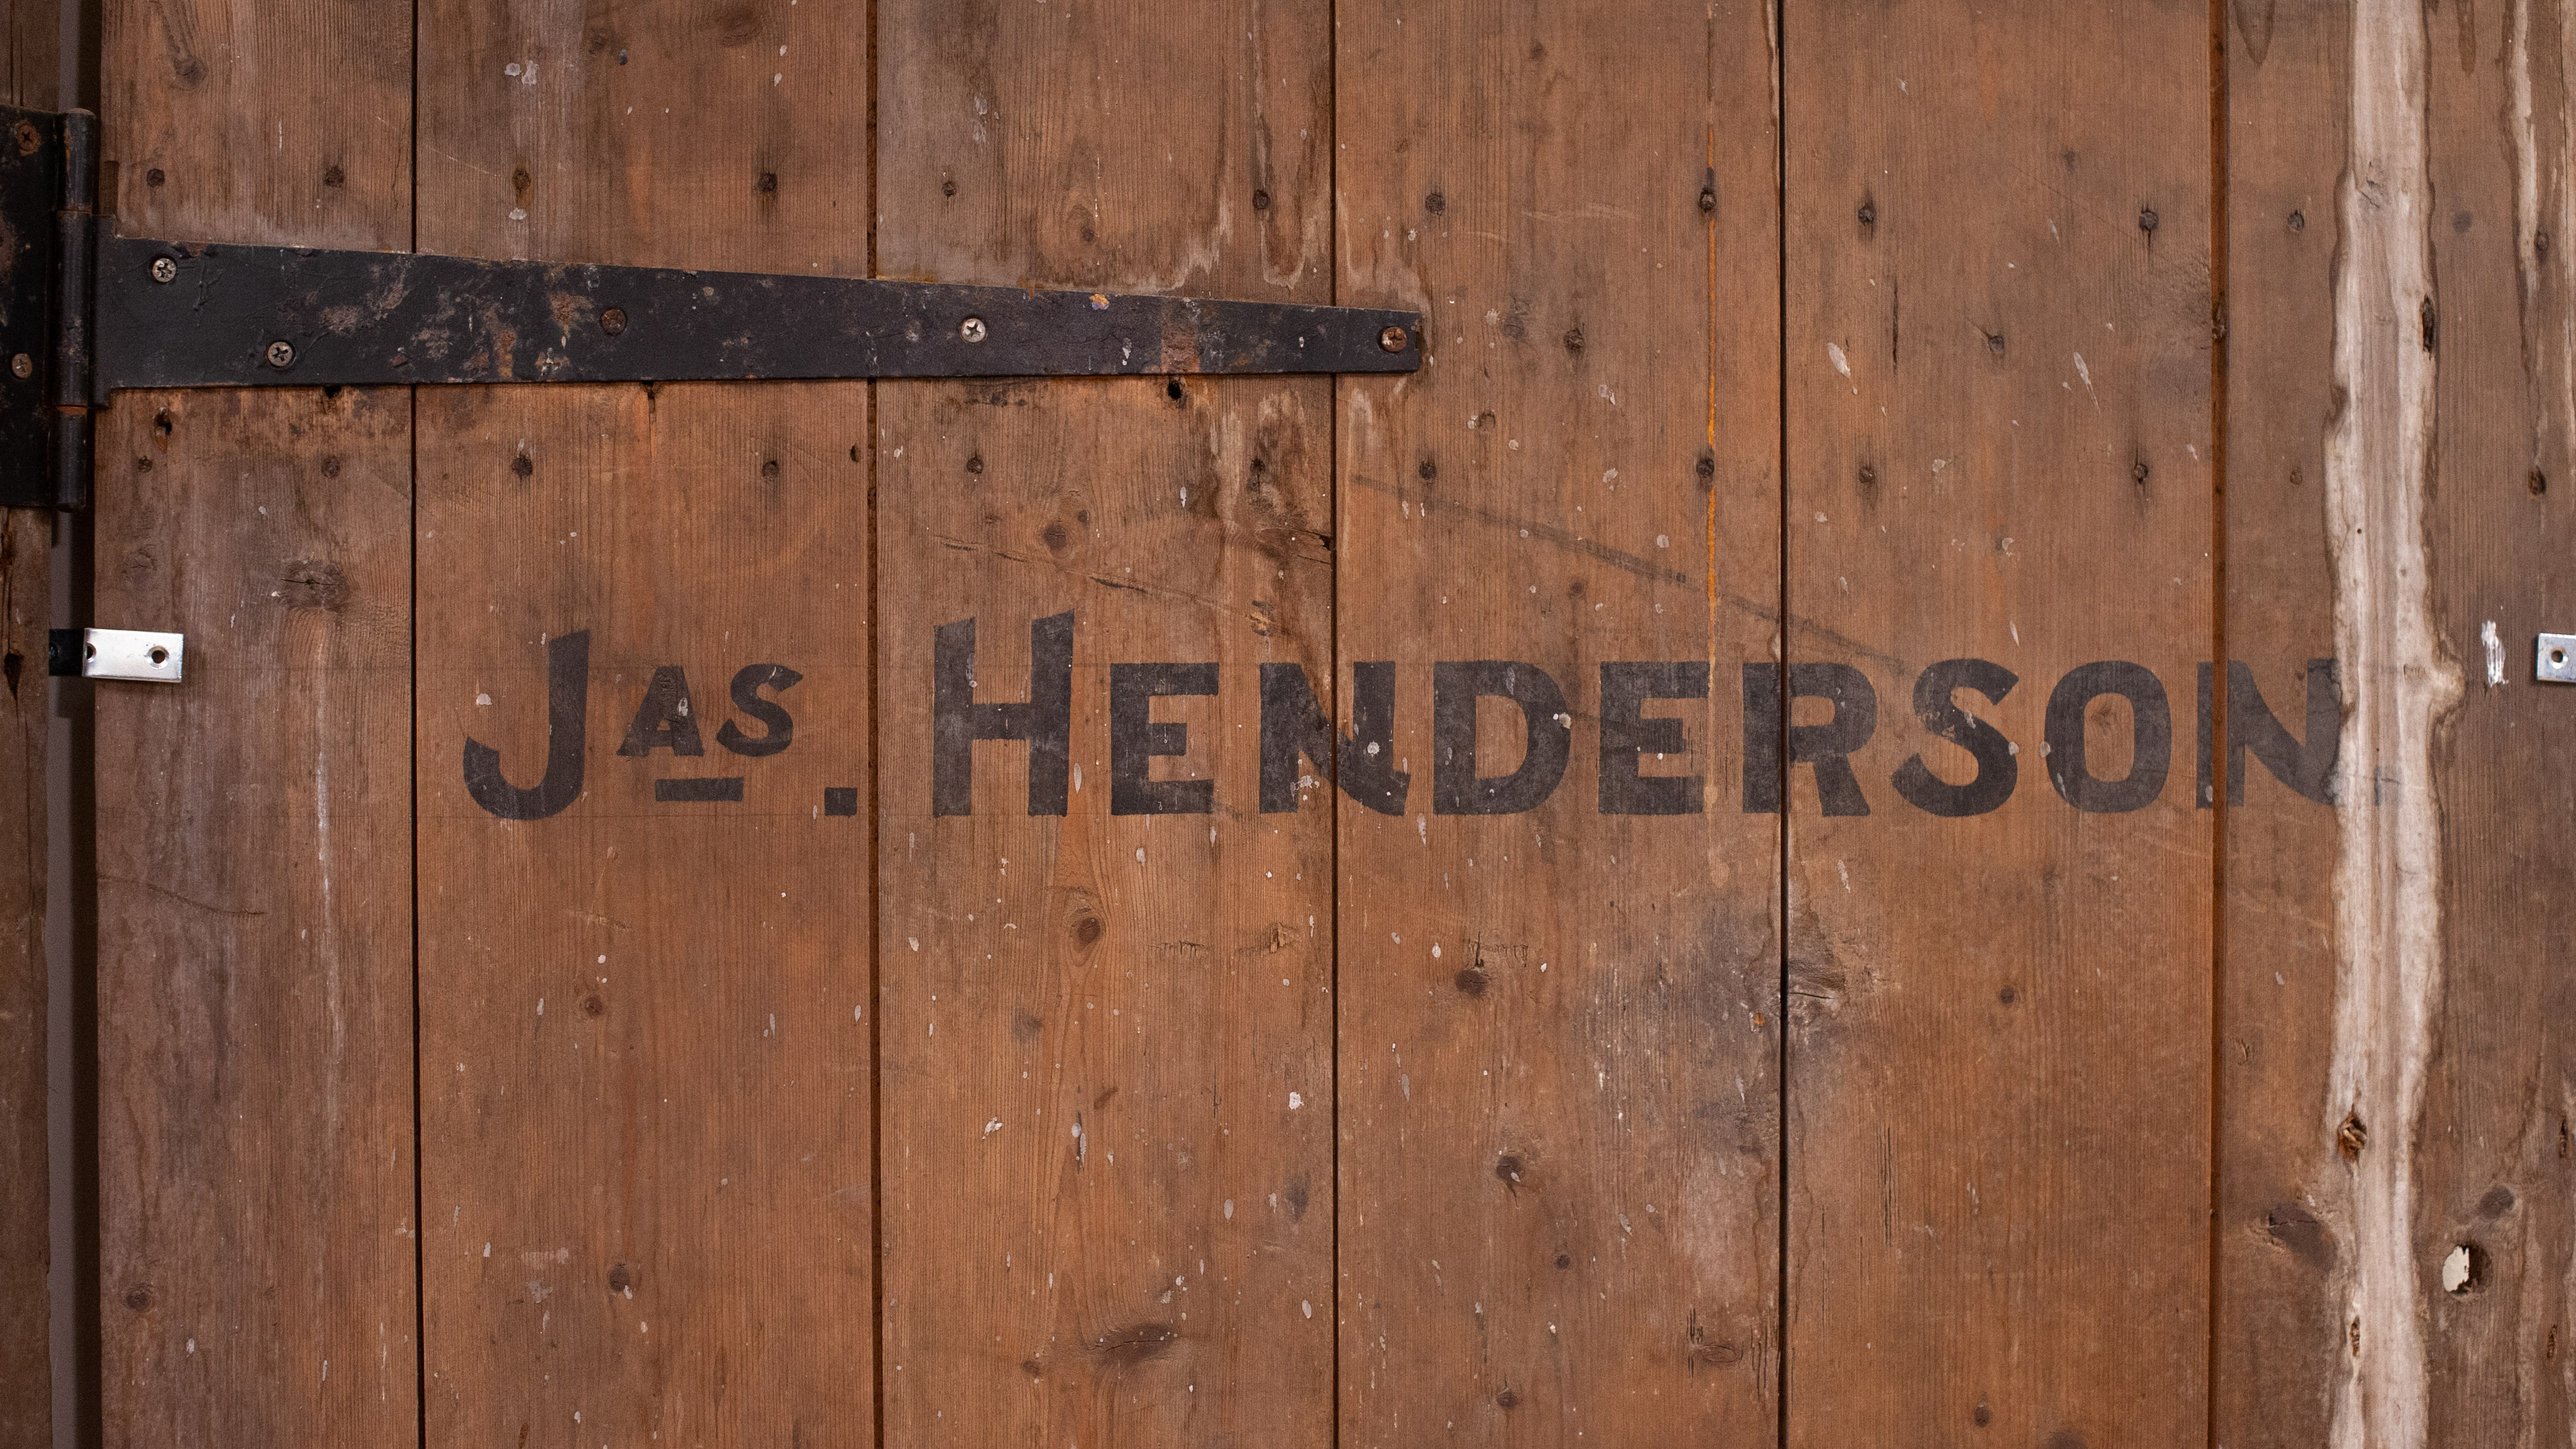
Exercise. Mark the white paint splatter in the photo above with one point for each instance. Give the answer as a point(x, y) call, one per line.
point(2495, 653)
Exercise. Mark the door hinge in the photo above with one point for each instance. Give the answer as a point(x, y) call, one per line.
point(85, 313)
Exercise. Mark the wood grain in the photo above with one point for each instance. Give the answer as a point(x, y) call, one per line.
point(2388, 1110)
point(254, 922)
point(2494, 1154)
point(33, 37)
point(1559, 1026)
point(1998, 418)
point(646, 1126)
point(1108, 1064)
point(26, 1311)
point(254, 918)
point(2280, 1312)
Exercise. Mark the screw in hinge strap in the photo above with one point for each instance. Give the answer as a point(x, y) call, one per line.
point(164, 270)
point(281, 354)
point(1393, 339)
point(22, 366)
point(972, 329)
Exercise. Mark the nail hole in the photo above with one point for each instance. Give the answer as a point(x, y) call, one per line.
point(1172, 389)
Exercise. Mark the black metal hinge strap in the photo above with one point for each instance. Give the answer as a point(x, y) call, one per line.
point(173, 315)
point(76, 273)
point(84, 313)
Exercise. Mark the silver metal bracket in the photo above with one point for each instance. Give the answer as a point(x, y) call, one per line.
point(2554, 659)
point(138, 654)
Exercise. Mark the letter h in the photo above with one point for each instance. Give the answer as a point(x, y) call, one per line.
point(1045, 720)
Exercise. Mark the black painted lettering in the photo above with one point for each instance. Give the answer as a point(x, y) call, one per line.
point(1456, 788)
point(2307, 766)
point(1626, 735)
point(1997, 769)
point(1045, 719)
point(779, 726)
point(1828, 746)
point(567, 715)
point(664, 720)
point(1293, 726)
point(2151, 726)
point(1135, 738)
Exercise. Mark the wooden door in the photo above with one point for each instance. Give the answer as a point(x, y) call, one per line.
point(1899, 799)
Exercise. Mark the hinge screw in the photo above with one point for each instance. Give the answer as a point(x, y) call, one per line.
point(1393, 339)
point(164, 270)
point(281, 354)
point(972, 329)
point(22, 366)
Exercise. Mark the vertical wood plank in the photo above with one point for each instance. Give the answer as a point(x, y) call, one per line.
point(2494, 1155)
point(646, 1136)
point(2280, 1323)
point(26, 1305)
point(2397, 1140)
point(33, 37)
point(1108, 1071)
point(254, 919)
point(1559, 1019)
point(1998, 417)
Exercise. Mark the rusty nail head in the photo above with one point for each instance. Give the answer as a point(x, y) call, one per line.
point(1393, 339)
point(613, 321)
point(972, 329)
point(22, 365)
point(164, 270)
point(281, 354)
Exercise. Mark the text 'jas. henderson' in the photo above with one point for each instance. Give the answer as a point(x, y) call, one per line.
point(1365, 764)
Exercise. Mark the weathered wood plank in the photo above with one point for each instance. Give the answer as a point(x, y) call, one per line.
point(2279, 1317)
point(31, 77)
point(26, 1304)
point(254, 919)
point(2397, 1134)
point(646, 1135)
point(1107, 975)
point(2494, 1155)
point(1998, 417)
point(1559, 1009)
